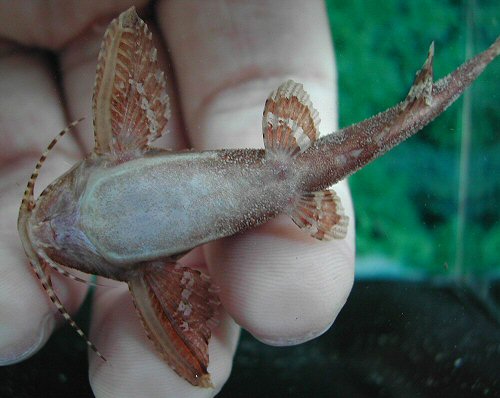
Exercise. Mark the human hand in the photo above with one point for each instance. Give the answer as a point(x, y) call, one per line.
point(278, 283)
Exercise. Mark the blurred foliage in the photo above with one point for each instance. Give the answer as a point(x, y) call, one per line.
point(407, 201)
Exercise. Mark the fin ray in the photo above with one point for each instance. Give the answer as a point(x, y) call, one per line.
point(177, 305)
point(130, 103)
point(290, 122)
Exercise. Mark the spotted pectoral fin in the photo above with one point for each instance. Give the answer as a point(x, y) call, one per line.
point(130, 102)
point(321, 214)
point(177, 306)
point(290, 122)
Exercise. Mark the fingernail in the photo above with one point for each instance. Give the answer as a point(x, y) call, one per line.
point(294, 340)
point(19, 349)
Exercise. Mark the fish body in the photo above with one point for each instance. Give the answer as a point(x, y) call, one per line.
point(174, 201)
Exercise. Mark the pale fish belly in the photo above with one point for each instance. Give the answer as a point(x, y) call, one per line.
point(161, 206)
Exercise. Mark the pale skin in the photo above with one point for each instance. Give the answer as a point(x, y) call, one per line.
point(276, 281)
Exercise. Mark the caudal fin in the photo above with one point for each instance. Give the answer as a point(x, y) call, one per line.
point(336, 156)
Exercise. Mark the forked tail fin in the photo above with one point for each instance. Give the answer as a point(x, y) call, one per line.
point(335, 156)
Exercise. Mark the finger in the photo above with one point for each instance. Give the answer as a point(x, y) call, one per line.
point(229, 56)
point(53, 24)
point(134, 368)
point(281, 285)
point(278, 283)
point(30, 116)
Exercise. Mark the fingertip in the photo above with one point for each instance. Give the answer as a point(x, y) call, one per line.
point(20, 343)
point(30, 319)
point(282, 286)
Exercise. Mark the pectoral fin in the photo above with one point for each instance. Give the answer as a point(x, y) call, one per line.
point(177, 306)
point(321, 214)
point(130, 103)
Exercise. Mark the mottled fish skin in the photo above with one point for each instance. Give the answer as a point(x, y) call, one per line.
point(129, 211)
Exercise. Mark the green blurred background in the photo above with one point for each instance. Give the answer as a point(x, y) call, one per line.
point(432, 204)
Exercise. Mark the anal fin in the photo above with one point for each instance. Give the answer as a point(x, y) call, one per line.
point(176, 306)
point(321, 214)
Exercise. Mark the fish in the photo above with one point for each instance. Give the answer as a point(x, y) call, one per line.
point(129, 211)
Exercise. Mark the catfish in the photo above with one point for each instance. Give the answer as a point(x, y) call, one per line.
point(129, 211)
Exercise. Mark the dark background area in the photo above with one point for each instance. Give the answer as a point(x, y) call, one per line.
point(392, 339)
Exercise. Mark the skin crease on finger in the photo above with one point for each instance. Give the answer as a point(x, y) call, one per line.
point(228, 57)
